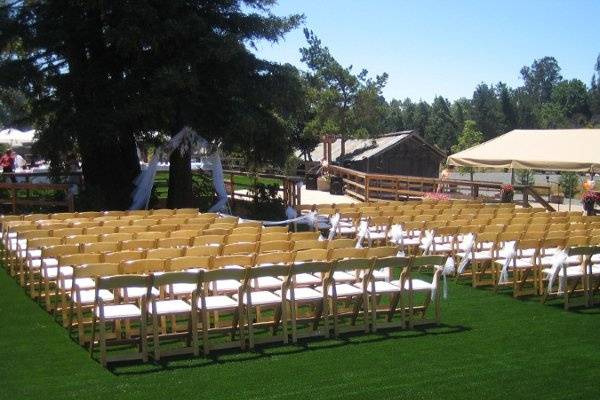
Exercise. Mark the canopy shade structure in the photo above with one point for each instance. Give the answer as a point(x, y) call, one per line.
point(576, 150)
point(15, 137)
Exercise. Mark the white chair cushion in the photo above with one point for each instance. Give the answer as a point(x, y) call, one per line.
point(225, 285)
point(384, 287)
point(302, 294)
point(571, 271)
point(307, 279)
point(83, 283)
point(518, 263)
point(87, 296)
point(52, 272)
point(343, 276)
point(261, 297)
point(119, 311)
point(180, 288)
point(166, 307)
point(417, 284)
point(266, 282)
point(137, 292)
point(381, 274)
point(218, 303)
point(548, 260)
point(37, 263)
point(34, 253)
point(342, 290)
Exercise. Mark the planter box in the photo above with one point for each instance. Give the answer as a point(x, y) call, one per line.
point(323, 184)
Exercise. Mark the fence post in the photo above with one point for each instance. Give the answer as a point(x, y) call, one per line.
point(70, 201)
point(525, 196)
point(232, 184)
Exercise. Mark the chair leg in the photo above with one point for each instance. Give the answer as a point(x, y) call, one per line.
point(194, 331)
point(250, 323)
point(93, 334)
point(155, 338)
point(334, 310)
point(294, 322)
point(205, 327)
point(80, 327)
point(102, 343)
point(284, 320)
point(144, 337)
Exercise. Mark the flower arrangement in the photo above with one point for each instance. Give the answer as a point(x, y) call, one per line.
point(588, 199)
point(507, 193)
point(436, 196)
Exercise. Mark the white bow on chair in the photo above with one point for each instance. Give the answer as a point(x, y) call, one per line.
point(446, 270)
point(397, 237)
point(427, 242)
point(469, 242)
point(334, 221)
point(510, 253)
point(558, 260)
point(363, 232)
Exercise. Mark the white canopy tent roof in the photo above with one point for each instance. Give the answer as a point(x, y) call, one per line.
point(15, 137)
point(575, 150)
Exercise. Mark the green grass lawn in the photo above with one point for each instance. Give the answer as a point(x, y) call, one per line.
point(490, 346)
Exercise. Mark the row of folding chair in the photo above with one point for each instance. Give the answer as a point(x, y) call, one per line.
point(145, 297)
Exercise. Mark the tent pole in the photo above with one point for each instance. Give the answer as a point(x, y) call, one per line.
point(512, 176)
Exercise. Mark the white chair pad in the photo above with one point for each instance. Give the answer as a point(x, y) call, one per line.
point(307, 279)
point(37, 263)
point(87, 296)
point(119, 311)
point(34, 253)
point(381, 274)
point(166, 307)
point(302, 294)
point(52, 272)
point(83, 283)
point(417, 284)
point(137, 292)
point(180, 288)
point(260, 298)
point(226, 285)
point(384, 287)
point(571, 271)
point(518, 263)
point(343, 276)
point(342, 290)
point(548, 261)
point(218, 303)
point(266, 282)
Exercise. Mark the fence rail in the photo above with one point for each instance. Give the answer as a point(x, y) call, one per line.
point(16, 198)
point(367, 187)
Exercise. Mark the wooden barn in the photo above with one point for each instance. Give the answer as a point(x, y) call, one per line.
point(397, 153)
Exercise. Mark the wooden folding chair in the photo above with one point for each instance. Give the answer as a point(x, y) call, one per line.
point(274, 246)
point(66, 266)
point(122, 310)
point(430, 289)
point(163, 306)
point(50, 269)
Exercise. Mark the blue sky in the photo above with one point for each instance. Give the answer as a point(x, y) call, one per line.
point(445, 47)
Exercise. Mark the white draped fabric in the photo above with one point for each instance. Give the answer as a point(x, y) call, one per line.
point(186, 139)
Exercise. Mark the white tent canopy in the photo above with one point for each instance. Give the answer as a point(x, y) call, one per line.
point(575, 150)
point(15, 137)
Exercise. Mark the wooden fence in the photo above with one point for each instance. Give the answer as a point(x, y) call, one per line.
point(27, 194)
point(366, 187)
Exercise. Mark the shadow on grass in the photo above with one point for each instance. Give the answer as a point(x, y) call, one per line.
point(266, 351)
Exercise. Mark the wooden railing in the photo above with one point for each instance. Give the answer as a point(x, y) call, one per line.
point(24, 194)
point(289, 187)
point(367, 187)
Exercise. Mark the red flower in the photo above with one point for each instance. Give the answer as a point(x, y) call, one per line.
point(507, 188)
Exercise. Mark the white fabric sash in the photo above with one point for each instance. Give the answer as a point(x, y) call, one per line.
point(468, 243)
point(334, 221)
point(447, 269)
point(510, 254)
point(427, 242)
point(558, 261)
point(363, 232)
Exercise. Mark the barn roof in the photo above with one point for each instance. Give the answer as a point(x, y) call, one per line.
point(358, 149)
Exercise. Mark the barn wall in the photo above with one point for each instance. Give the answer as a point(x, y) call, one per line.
point(409, 157)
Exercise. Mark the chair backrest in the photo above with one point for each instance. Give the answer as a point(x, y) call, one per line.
point(59, 250)
point(80, 239)
point(66, 232)
point(132, 229)
point(353, 264)
point(577, 241)
point(200, 251)
point(283, 257)
point(391, 262)
point(309, 244)
point(241, 238)
point(84, 225)
point(121, 282)
point(233, 260)
point(200, 220)
point(274, 246)
point(188, 262)
point(173, 277)
point(311, 255)
point(222, 225)
point(424, 261)
point(100, 247)
point(163, 253)
point(583, 250)
point(79, 259)
point(173, 242)
point(163, 227)
point(38, 243)
point(274, 229)
point(116, 237)
point(312, 267)
point(269, 270)
point(340, 254)
point(116, 222)
point(297, 236)
point(119, 256)
point(239, 248)
point(99, 230)
point(204, 240)
point(341, 244)
point(184, 233)
point(216, 231)
point(249, 230)
point(187, 211)
point(383, 251)
point(172, 221)
point(162, 212)
point(144, 265)
point(138, 244)
point(96, 269)
point(238, 274)
point(271, 236)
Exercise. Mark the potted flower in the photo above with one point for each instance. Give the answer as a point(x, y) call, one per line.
point(507, 192)
point(589, 199)
point(324, 183)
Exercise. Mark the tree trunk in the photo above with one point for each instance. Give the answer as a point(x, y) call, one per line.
point(342, 147)
point(180, 180)
point(109, 168)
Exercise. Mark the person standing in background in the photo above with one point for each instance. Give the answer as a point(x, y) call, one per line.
point(20, 163)
point(7, 162)
point(588, 183)
point(444, 176)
